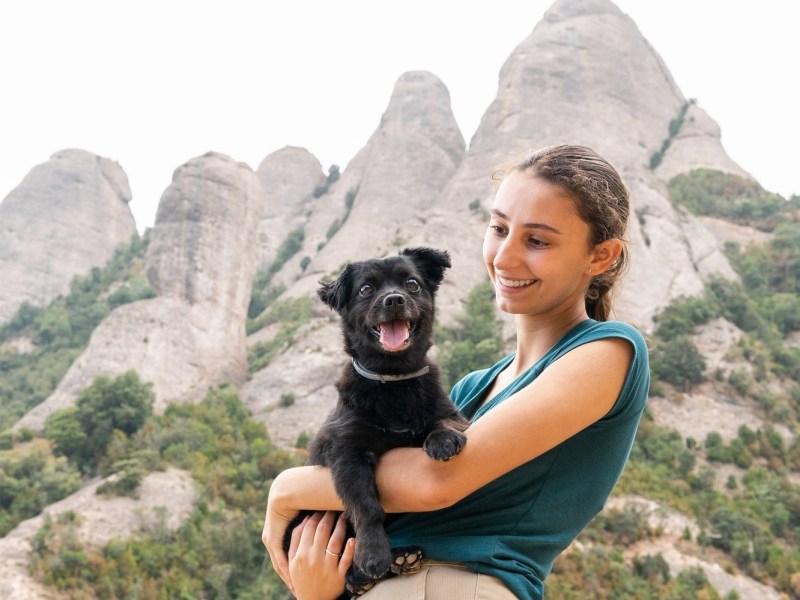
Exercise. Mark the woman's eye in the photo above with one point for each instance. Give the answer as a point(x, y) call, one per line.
point(366, 290)
point(498, 229)
point(412, 285)
point(537, 243)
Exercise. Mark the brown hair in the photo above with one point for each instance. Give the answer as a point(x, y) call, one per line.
point(601, 200)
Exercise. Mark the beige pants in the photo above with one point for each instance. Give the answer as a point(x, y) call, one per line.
point(440, 581)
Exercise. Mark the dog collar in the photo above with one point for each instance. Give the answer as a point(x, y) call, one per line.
point(364, 372)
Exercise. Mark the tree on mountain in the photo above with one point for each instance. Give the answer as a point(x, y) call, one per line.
point(82, 433)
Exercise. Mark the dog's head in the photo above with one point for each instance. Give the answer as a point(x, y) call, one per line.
point(387, 304)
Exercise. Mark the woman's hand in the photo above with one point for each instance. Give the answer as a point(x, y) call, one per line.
point(276, 521)
point(309, 487)
point(319, 556)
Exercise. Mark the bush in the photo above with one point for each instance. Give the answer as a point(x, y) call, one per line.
point(683, 315)
point(678, 361)
point(217, 551)
point(82, 433)
point(731, 197)
point(30, 479)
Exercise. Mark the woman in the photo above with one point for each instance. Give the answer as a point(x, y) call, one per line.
point(551, 424)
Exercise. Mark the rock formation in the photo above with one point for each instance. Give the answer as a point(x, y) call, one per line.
point(67, 216)
point(192, 335)
point(697, 145)
point(288, 177)
point(393, 181)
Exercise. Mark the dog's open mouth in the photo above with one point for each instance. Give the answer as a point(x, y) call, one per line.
point(393, 335)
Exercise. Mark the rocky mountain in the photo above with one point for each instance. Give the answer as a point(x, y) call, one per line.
point(289, 177)
point(201, 264)
point(579, 45)
point(584, 75)
point(67, 216)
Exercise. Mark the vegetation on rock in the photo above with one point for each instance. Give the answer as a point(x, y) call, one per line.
point(733, 197)
point(217, 552)
point(58, 332)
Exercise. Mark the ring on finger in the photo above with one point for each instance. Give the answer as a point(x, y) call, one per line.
point(336, 554)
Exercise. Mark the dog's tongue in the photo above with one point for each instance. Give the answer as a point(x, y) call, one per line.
point(394, 334)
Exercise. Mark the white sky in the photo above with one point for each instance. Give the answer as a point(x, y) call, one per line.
point(153, 83)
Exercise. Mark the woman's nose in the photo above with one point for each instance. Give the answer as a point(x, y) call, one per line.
point(506, 255)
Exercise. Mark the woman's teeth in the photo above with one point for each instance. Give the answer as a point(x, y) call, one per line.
point(515, 282)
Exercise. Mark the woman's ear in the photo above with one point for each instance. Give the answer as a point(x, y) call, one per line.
point(603, 256)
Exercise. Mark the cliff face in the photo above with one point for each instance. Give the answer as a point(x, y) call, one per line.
point(380, 202)
point(288, 177)
point(67, 216)
point(192, 335)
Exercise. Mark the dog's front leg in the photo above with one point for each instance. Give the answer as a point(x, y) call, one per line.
point(446, 438)
point(354, 478)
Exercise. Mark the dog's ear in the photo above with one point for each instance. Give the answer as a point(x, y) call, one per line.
point(431, 262)
point(336, 292)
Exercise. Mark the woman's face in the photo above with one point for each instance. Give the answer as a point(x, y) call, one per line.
point(536, 248)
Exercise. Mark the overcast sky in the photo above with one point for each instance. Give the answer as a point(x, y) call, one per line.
point(153, 83)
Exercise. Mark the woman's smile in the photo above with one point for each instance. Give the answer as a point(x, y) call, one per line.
point(514, 283)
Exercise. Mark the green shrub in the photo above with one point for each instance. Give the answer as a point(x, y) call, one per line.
point(217, 551)
point(82, 433)
point(728, 196)
point(30, 479)
point(678, 361)
point(291, 314)
point(61, 330)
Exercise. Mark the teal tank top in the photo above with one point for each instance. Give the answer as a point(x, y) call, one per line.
point(514, 527)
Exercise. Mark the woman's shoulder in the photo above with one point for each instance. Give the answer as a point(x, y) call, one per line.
point(597, 330)
point(594, 331)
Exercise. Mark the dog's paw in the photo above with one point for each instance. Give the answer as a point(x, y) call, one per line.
point(444, 444)
point(373, 556)
point(406, 560)
point(356, 586)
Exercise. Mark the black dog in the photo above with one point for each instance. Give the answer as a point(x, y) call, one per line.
point(389, 394)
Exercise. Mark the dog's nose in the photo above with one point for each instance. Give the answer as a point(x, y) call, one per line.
point(393, 300)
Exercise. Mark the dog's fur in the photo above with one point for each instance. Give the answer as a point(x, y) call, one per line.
point(372, 416)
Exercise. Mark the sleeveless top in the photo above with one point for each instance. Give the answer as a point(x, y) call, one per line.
point(514, 527)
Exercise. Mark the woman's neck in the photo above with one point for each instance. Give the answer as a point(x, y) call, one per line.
point(536, 335)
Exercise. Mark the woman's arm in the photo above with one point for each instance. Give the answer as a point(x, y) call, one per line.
point(571, 394)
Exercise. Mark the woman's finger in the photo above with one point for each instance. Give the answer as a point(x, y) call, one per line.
point(272, 535)
point(324, 530)
point(309, 532)
point(294, 541)
point(337, 537)
point(281, 566)
point(348, 553)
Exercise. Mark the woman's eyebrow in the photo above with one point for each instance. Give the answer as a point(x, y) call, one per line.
point(544, 226)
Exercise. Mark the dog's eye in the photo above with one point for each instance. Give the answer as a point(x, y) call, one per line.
point(366, 290)
point(412, 285)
